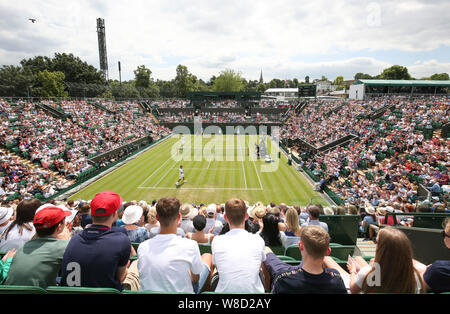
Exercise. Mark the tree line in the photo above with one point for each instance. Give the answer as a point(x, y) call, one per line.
point(66, 75)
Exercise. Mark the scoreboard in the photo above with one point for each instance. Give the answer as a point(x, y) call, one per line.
point(306, 90)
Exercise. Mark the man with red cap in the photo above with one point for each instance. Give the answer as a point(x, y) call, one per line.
point(38, 261)
point(99, 255)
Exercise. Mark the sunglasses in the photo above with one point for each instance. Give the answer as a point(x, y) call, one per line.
point(445, 235)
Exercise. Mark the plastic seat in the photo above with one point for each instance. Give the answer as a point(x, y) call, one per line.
point(9, 289)
point(150, 292)
point(135, 245)
point(278, 250)
point(294, 252)
point(81, 290)
point(204, 248)
point(285, 258)
point(342, 252)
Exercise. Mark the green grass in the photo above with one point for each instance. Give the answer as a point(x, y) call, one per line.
point(217, 177)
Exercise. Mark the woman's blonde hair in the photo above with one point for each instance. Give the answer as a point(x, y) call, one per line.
point(292, 220)
point(394, 256)
point(151, 215)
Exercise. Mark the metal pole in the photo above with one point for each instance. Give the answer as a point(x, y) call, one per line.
point(120, 80)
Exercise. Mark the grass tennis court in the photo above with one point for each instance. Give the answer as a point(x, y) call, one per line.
point(216, 168)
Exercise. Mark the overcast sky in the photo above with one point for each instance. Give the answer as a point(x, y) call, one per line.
point(284, 39)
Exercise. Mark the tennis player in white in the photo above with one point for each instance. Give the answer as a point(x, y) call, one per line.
point(181, 176)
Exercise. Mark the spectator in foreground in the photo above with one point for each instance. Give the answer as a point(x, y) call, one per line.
point(21, 229)
point(270, 232)
point(211, 220)
point(151, 219)
point(393, 269)
point(38, 261)
point(310, 276)
point(436, 276)
point(133, 217)
point(237, 254)
point(169, 263)
point(5, 264)
point(293, 227)
point(199, 235)
point(99, 255)
point(187, 211)
point(314, 214)
point(6, 217)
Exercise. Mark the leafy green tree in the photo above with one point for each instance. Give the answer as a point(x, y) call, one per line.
point(142, 76)
point(16, 81)
point(261, 87)
point(440, 77)
point(184, 81)
point(166, 88)
point(51, 84)
point(362, 76)
point(395, 72)
point(228, 81)
point(339, 80)
point(74, 69)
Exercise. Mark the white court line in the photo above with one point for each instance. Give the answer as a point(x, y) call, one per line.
point(156, 169)
point(257, 174)
point(243, 169)
point(167, 172)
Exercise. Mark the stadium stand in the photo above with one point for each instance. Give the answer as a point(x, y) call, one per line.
point(393, 171)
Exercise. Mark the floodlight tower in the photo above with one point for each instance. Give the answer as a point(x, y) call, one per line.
point(102, 47)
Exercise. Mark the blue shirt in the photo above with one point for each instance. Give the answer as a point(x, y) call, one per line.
point(437, 276)
point(138, 235)
point(294, 279)
point(99, 251)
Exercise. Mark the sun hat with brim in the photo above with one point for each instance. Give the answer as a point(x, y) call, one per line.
point(132, 214)
point(258, 212)
point(5, 214)
point(382, 211)
point(49, 216)
point(370, 210)
point(186, 210)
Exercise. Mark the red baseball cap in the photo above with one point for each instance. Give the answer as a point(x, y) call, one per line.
point(49, 216)
point(107, 200)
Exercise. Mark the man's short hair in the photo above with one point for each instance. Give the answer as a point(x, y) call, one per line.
point(314, 211)
point(235, 211)
point(167, 209)
point(315, 241)
point(101, 219)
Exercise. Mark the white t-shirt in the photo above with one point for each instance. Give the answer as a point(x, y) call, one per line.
point(15, 240)
point(164, 262)
point(238, 255)
point(181, 172)
point(361, 275)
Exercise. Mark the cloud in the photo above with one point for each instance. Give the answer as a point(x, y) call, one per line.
point(209, 36)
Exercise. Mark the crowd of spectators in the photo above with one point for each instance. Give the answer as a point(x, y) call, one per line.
point(139, 246)
point(183, 103)
point(390, 157)
point(65, 145)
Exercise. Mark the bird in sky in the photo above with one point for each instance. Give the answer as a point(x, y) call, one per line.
point(32, 20)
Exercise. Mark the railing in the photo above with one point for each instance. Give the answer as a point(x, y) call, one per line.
point(422, 220)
